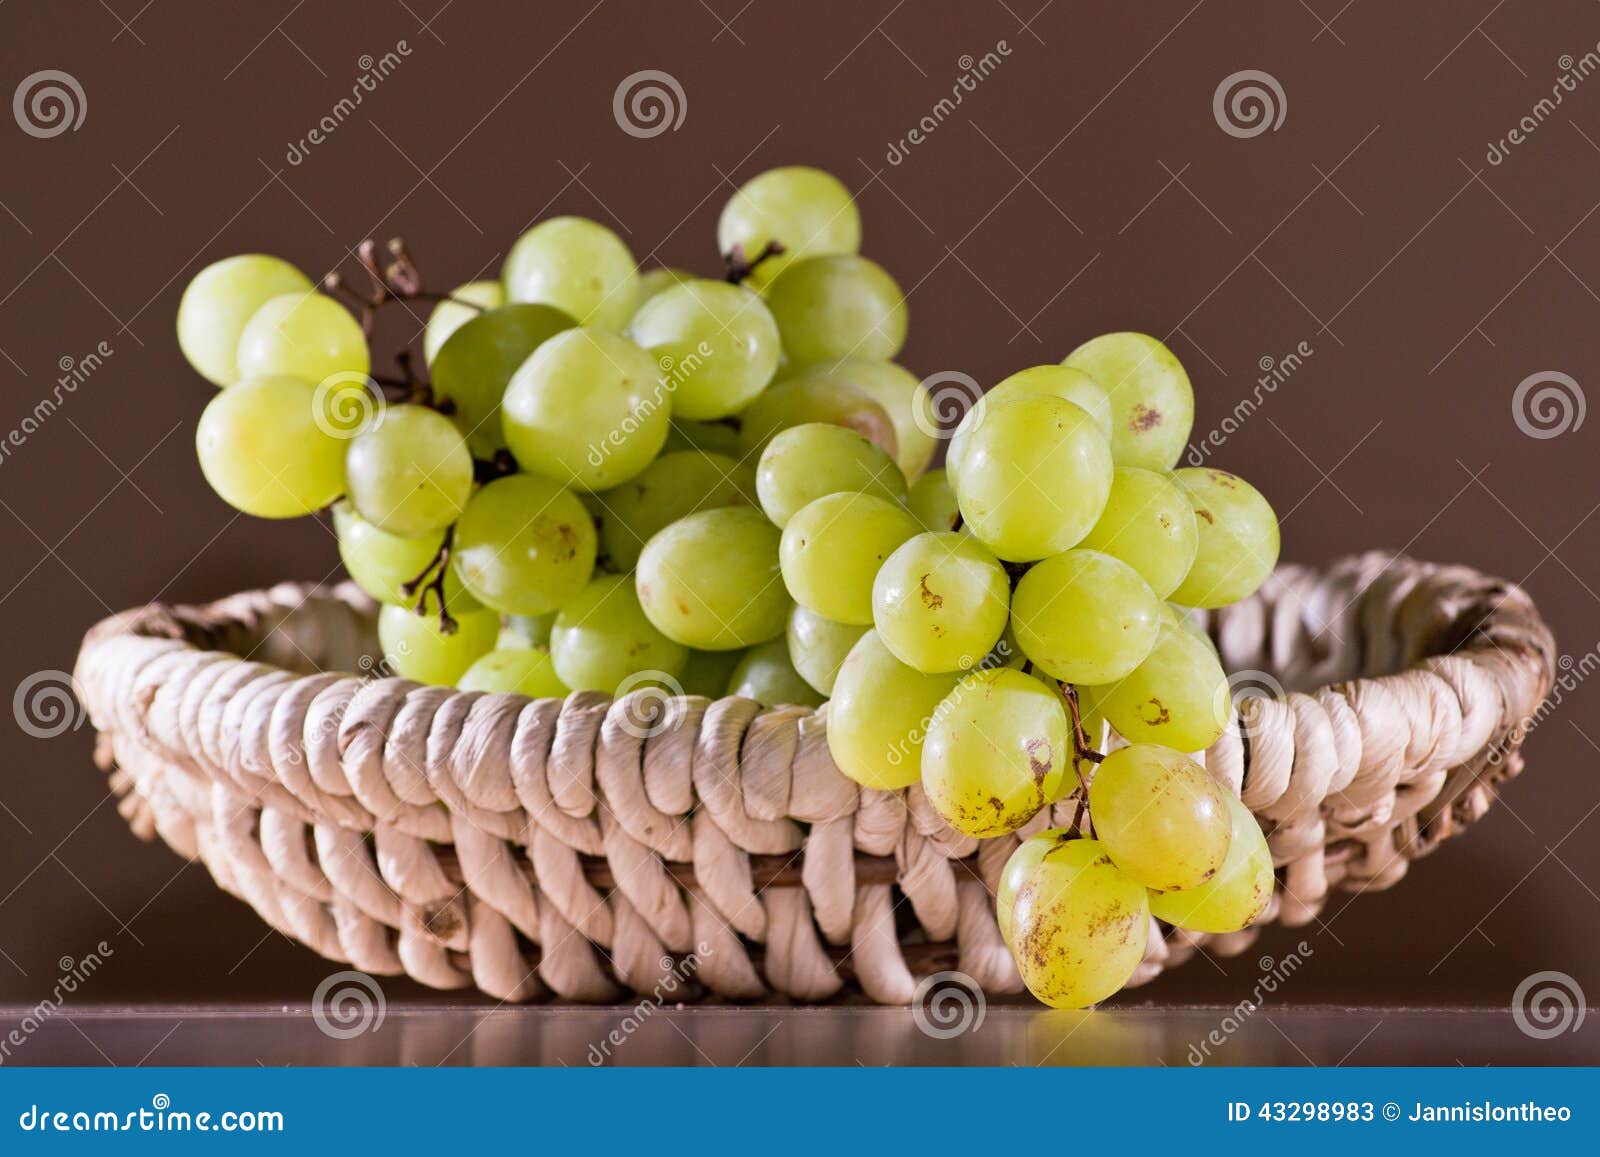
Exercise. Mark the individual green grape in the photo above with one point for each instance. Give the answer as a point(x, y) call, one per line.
point(1152, 403)
point(1162, 818)
point(804, 463)
point(711, 580)
point(588, 408)
point(305, 335)
point(707, 672)
point(1238, 539)
point(1149, 524)
point(995, 752)
point(382, 564)
point(1085, 617)
point(451, 314)
point(842, 306)
point(878, 713)
point(1034, 478)
point(266, 451)
point(1240, 891)
point(517, 671)
point(720, 341)
point(602, 636)
point(940, 602)
point(415, 648)
point(807, 399)
point(520, 632)
point(817, 646)
point(220, 300)
point(411, 473)
point(671, 487)
point(766, 675)
point(1019, 867)
point(933, 502)
point(903, 398)
point(1177, 697)
point(805, 210)
point(475, 364)
point(1062, 382)
point(524, 545)
point(712, 437)
point(1078, 925)
point(578, 266)
point(832, 549)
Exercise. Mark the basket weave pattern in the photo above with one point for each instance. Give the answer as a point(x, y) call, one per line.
point(541, 849)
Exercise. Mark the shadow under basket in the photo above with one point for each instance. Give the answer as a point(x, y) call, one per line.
point(580, 849)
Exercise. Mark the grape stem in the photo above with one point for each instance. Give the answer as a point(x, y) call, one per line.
point(1082, 748)
point(488, 469)
point(438, 567)
point(739, 268)
point(399, 280)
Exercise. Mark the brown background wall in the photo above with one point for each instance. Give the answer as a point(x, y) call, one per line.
point(1084, 185)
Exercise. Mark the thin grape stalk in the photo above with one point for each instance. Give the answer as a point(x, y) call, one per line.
point(400, 281)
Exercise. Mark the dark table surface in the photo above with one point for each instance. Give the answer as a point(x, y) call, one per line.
point(725, 1036)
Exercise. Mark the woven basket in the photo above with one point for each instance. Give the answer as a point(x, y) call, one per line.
point(543, 848)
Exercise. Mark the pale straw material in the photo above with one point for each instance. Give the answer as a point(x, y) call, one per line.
point(544, 850)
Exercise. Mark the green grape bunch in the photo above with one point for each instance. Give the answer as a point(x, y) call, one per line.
point(655, 484)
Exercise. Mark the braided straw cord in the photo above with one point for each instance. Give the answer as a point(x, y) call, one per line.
point(542, 849)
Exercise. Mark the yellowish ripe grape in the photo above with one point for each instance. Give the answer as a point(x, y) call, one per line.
point(818, 646)
point(674, 485)
point(1161, 816)
point(1016, 872)
point(264, 451)
point(220, 300)
point(1178, 697)
point(1078, 925)
point(804, 463)
point(805, 210)
point(448, 316)
point(1152, 402)
point(766, 675)
point(995, 752)
point(518, 671)
point(1238, 545)
point(933, 502)
point(524, 545)
point(415, 648)
point(878, 715)
point(601, 636)
point(1149, 524)
point(711, 580)
point(307, 335)
point(1085, 617)
point(832, 549)
point(902, 397)
point(939, 602)
point(1237, 895)
point(578, 266)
